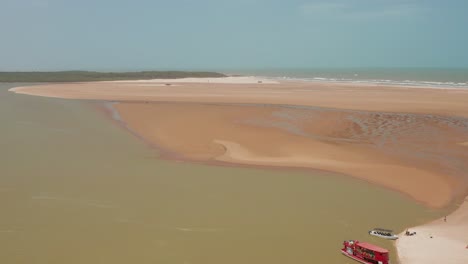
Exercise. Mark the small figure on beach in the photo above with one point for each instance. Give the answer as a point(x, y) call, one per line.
point(445, 218)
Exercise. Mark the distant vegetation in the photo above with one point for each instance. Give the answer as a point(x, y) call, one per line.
point(86, 76)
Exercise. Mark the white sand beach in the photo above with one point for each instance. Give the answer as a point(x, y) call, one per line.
point(226, 80)
point(448, 245)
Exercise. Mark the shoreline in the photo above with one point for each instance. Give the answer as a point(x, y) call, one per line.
point(254, 80)
point(110, 112)
point(346, 156)
point(412, 84)
point(452, 106)
point(248, 90)
point(224, 160)
point(416, 254)
point(448, 234)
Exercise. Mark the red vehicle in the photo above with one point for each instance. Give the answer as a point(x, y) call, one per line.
point(365, 253)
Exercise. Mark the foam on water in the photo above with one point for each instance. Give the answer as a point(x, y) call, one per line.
point(409, 77)
point(407, 83)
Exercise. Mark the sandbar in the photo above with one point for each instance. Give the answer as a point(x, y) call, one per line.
point(411, 140)
point(357, 143)
point(406, 139)
point(349, 96)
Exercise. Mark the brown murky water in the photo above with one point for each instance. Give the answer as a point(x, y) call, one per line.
point(74, 188)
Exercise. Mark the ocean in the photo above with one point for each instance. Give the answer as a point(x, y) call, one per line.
point(417, 77)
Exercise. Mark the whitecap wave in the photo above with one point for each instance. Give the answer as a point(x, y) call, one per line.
point(406, 83)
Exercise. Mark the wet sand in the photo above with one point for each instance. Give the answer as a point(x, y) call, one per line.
point(75, 188)
point(384, 149)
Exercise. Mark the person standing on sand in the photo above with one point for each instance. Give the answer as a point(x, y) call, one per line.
point(445, 218)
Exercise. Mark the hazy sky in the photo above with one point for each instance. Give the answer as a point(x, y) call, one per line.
point(223, 34)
